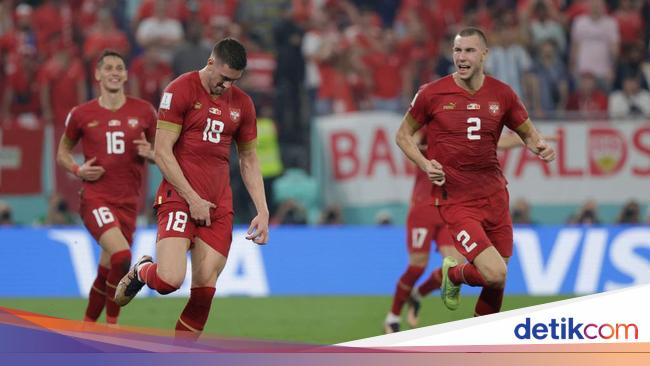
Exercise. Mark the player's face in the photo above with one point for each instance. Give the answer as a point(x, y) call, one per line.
point(111, 74)
point(222, 76)
point(469, 55)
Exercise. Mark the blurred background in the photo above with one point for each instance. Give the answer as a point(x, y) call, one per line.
point(331, 80)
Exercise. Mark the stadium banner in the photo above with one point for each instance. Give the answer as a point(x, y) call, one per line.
point(336, 261)
point(21, 160)
point(358, 163)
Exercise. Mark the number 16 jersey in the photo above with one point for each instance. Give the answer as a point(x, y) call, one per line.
point(462, 131)
point(207, 126)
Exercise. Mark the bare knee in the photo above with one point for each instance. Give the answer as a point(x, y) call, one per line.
point(495, 276)
point(173, 278)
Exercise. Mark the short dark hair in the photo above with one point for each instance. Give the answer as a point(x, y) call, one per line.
point(472, 31)
point(231, 52)
point(109, 53)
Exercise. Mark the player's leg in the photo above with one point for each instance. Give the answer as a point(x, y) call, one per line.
point(116, 246)
point(418, 243)
point(97, 295)
point(209, 256)
point(207, 264)
point(167, 274)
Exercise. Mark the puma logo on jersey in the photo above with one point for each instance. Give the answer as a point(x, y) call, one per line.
point(93, 124)
point(473, 106)
point(449, 106)
point(114, 122)
point(215, 110)
point(198, 105)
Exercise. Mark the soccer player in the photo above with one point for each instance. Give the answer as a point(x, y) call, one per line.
point(113, 130)
point(423, 224)
point(463, 115)
point(201, 114)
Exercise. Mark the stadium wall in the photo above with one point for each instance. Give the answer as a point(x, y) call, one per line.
point(61, 262)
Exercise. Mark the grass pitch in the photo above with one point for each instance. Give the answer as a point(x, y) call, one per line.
point(315, 320)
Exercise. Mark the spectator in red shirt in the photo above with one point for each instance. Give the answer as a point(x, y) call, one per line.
point(588, 101)
point(104, 35)
point(630, 22)
point(385, 65)
point(149, 75)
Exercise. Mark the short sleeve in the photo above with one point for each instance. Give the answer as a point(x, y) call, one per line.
point(247, 131)
point(419, 109)
point(516, 114)
point(151, 119)
point(174, 103)
point(72, 125)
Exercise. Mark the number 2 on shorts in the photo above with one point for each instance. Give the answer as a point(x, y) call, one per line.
point(463, 238)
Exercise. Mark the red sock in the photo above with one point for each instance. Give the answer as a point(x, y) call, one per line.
point(97, 296)
point(149, 274)
point(404, 286)
point(466, 273)
point(120, 263)
point(489, 302)
point(193, 318)
point(432, 283)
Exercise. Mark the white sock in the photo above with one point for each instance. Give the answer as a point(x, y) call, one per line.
point(392, 318)
point(415, 293)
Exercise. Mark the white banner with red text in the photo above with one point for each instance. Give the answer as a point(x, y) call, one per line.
point(358, 163)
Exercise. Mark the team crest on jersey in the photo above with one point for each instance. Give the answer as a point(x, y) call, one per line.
point(198, 105)
point(114, 123)
point(449, 106)
point(473, 106)
point(234, 114)
point(494, 108)
point(133, 122)
point(215, 110)
point(94, 123)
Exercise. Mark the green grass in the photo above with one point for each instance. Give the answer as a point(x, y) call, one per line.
point(316, 320)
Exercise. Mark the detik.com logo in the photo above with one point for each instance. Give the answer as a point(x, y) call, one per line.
point(568, 328)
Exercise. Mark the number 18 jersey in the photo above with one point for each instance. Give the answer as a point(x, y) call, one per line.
point(207, 126)
point(462, 131)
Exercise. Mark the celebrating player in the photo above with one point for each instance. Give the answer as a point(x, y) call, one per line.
point(463, 115)
point(201, 113)
point(113, 130)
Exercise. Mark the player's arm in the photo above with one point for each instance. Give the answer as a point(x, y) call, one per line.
point(145, 148)
point(252, 176)
point(534, 141)
point(87, 171)
point(166, 136)
point(407, 142)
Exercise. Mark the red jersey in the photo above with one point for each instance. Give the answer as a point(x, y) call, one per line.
point(108, 135)
point(462, 131)
point(207, 126)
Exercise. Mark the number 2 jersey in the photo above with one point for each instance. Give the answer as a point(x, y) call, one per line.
point(207, 126)
point(462, 131)
point(108, 136)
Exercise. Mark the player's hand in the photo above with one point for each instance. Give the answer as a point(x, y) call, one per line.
point(89, 172)
point(200, 211)
point(434, 172)
point(258, 231)
point(144, 147)
point(545, 151)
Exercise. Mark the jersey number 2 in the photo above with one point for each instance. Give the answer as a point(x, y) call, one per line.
point(213, 130)
point(475, 127)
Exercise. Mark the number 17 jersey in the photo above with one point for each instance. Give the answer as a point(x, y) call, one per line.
point(207, 126)
point(462, 131)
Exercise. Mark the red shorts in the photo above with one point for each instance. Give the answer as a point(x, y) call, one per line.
point(99, 216)
point(424, 224)
point(174, 221)
point(478, 224)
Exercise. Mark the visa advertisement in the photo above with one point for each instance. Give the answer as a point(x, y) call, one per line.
point(336, 261)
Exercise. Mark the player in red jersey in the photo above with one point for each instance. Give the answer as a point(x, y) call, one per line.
point(201, 114)
point(113, 130)
point(424, 224)
point(463, 115)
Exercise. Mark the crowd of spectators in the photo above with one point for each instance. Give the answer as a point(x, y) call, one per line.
point(583, 59)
